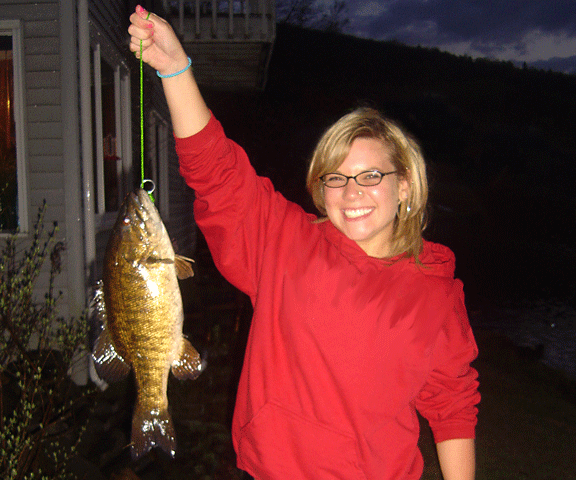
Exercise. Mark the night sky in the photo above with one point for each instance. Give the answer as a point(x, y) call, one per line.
point(541, 33)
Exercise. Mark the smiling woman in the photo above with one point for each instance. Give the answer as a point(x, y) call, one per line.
point(344, 345)
point(387, 216)
point(367, 214)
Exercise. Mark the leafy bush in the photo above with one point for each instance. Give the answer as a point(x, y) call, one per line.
point(40, 406)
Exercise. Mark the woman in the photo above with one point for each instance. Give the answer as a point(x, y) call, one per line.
point(357, 322)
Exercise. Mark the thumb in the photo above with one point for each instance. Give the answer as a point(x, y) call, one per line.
point(142, 12)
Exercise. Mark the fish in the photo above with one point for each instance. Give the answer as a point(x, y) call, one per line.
point(140, 306)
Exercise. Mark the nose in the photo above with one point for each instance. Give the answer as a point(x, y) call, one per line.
point(352, 189)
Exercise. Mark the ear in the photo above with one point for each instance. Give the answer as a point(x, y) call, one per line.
point(404, 188)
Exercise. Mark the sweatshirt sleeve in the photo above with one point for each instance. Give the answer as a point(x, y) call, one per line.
point(235, 209)
point(449, 397)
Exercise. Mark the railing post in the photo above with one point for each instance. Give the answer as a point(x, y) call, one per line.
point(197, 18)
point(214, 19)
point(246, 6)
point(263, 4)
point(230, 18)
point(181, 16)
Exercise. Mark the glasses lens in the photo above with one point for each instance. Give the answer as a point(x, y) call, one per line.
point(369, 179)
point(334, 180)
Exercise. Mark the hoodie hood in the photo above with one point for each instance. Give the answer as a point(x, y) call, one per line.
point(435, 259)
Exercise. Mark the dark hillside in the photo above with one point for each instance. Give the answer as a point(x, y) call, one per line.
point(500, 142)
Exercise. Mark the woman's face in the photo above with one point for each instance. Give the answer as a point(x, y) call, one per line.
point(366, 214)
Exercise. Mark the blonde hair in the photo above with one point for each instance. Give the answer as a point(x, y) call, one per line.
point(406, 156)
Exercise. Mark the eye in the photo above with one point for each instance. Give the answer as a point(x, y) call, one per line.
point(370, 177)
point(333, 179)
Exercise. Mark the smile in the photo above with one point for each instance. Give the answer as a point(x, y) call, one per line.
point(357, 212)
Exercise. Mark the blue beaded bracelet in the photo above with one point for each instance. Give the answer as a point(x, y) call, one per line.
point(176, 73)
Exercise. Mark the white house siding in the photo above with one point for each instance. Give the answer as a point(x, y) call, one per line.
point(43, 120)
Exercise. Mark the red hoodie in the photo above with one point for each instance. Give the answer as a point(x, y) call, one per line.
point(343, 347)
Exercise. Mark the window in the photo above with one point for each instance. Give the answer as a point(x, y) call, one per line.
point(13, 206)
point(111, 133)
point(156, 160)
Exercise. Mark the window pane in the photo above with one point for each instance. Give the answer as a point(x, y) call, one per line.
point(8, 179)
point(111, 158)
point(107, 155)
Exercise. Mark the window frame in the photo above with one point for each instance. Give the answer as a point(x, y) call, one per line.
point(123, 132)
point(14, 29)
point(158, 160)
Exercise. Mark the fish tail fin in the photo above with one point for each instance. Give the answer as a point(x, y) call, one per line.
point(152, 429)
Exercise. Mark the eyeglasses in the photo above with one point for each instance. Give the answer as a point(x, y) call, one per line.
point(364, 179)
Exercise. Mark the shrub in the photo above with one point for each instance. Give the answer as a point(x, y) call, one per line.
point(41, 409)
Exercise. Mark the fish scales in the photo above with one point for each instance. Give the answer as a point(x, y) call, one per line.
point(141, 306)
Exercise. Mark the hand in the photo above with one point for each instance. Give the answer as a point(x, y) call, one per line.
point(161, 49)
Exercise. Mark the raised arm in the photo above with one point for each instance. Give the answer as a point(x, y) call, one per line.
point(162, 50)
point(457, 459)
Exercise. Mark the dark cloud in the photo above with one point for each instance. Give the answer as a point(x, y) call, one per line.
point(485, 23)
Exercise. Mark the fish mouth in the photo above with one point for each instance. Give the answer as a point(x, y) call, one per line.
point(354, 213)
point(140, 217)
point(141, 200)
point(142, 206)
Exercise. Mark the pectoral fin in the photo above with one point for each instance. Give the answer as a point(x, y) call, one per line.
point(110, 366)
point(183, 267)
point(189, 365)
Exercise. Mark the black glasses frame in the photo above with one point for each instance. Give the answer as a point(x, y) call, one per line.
point(355, 177)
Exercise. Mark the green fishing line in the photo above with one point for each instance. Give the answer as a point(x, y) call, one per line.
point(142, 125)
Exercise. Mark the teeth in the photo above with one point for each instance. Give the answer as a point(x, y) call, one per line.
point(358, 212)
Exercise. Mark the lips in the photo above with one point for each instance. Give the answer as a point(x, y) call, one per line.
point(353, 213)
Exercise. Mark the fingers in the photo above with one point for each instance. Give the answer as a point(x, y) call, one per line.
point(138, 41)
point(141, 30)
point(160, 45)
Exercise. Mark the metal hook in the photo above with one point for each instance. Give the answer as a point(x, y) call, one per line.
point(151, 190)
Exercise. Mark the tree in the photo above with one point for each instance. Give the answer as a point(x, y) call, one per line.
point(310, 14)
point(335, 19)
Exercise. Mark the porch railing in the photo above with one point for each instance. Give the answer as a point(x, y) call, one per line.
point(224, 20)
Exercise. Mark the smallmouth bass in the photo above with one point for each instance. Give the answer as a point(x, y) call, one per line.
point(140, 304)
